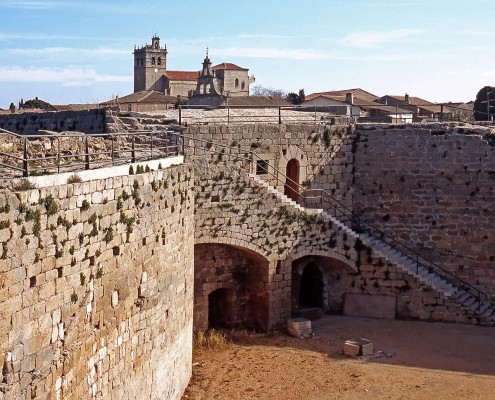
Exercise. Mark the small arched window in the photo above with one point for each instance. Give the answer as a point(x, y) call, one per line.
point(152, 60)
point(159, 61)
point(236, 82)
point(243, 85)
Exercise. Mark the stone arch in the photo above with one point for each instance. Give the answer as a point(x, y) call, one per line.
point(335, 280)
point(240, 243)
point(239, 277)
point(286, 155)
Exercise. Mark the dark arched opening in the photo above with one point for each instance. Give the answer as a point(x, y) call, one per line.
point(311, 287)
point(220, 309)
point(292, 179)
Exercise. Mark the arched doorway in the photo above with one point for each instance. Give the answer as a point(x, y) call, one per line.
point(220, 309)
point(292, 179)
point(311, 287)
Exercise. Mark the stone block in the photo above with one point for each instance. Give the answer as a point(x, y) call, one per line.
point(372, 306)
point(299, 327)
point(358, 347)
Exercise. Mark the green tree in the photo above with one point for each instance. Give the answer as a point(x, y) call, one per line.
point(484, 104)
point(295, 98)
point(36, 103)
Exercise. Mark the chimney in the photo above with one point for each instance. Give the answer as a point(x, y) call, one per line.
point(406, 98)
point(349, 98)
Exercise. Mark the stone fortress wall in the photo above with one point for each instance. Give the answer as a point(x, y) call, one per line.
point(88, 121)
point(103, 282)
point(96, 288)
point(335, 166)
point(436, 192)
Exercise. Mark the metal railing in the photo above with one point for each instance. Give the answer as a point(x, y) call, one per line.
point(320, 198)
point(364, 112)
point(44, 154)
point(187, 114)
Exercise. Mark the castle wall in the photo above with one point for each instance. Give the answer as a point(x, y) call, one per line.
point(324, 153)
point(434, 192)
point(96, 288)
point(90, 121)
point(238, 211)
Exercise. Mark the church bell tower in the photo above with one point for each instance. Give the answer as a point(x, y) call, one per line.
point(150, 64)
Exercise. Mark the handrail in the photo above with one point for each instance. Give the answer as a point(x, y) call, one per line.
point(125, 147)
point(355, 221)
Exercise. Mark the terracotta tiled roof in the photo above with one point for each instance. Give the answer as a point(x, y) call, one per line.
point(229, 66)
point(182, 75)
point(72, 107)
point(144, 96)
point(339, 95)
point(416, 101)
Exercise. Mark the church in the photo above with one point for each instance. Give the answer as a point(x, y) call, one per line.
point(151, 73)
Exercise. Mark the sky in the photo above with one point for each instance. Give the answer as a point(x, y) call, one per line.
point(69, 52)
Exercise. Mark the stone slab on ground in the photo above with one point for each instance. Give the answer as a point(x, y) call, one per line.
point(299, 327)
point(371, 306)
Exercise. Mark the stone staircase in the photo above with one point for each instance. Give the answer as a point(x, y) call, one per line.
point(484, 311)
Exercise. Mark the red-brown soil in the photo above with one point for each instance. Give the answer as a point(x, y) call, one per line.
point(412, 360)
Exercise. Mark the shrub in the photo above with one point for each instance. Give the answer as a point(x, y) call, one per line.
point(74, 179)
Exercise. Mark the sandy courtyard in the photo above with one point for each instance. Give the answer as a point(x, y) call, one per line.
point(412, 360)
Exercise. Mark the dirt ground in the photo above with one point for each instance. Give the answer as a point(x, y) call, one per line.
point(412, 360)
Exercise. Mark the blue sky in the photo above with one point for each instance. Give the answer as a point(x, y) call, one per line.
point(66, 51)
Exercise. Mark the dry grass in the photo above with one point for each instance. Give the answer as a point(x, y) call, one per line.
point(74, 179)
point(211, 339)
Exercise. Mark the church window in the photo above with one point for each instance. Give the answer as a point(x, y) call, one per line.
point(152, 60)
point(236, 82)
point(243, 85)
point(159, 61)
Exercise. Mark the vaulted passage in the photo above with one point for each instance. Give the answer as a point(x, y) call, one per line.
point(311, 287)
point(220, 309)
point(318, 285)
point(230, 288)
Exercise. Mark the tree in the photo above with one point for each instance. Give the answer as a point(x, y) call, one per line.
point(270, 92)
point(484, 104)
point(295, 98)
point(36, 103)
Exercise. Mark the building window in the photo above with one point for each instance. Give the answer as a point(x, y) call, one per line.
point(261, 167)
point(236, 82)
point(243, 85)
point(159, 61)
point(152, 60)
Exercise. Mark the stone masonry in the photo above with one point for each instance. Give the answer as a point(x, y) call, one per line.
point(96, 288)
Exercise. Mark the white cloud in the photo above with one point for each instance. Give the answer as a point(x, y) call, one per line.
point(293, 54)
point(64, 76)
point(77, 53)
point(302, 54)
point(374, 39)
point(34, 5)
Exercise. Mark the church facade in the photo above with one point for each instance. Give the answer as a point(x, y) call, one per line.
point(151, 73)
